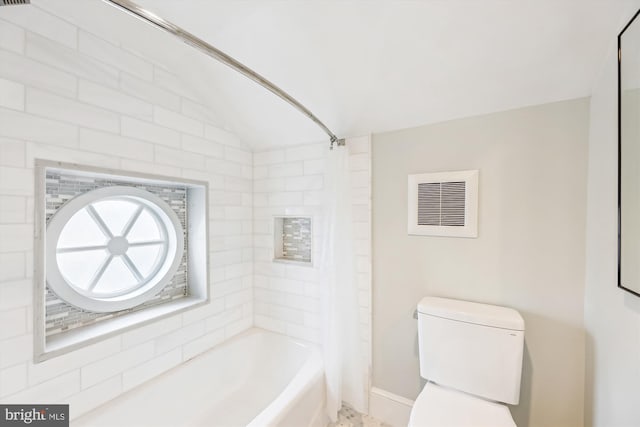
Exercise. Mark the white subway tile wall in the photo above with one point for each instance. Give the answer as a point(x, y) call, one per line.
point(68, 95)
point(287, 297)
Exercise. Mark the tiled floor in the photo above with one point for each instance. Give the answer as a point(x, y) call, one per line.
point(349, 417)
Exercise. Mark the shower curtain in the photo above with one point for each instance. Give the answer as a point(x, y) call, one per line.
point(345, 365)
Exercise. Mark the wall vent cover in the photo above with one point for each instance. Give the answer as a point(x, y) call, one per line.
point(443, 204)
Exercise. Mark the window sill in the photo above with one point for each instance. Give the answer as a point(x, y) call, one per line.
point(81, 337)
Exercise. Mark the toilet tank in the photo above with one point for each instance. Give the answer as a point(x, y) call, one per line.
point(471, 347)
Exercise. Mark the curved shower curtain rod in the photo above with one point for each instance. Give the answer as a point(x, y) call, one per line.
point(198, 43)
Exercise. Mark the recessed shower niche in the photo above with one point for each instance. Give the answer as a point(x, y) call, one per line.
point(292, 239)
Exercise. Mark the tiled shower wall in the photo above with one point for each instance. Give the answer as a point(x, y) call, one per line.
point(69, 95)
point(290, 182)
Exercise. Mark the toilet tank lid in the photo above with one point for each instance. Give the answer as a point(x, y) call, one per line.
point(472, 312)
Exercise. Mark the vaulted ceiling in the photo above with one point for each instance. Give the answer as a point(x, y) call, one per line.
point(372, 66)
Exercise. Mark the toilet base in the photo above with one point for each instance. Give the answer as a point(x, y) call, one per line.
point(438, 406)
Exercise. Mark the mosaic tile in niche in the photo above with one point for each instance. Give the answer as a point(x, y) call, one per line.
point(296, 239)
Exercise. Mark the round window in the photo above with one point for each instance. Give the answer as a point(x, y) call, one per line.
point(112, 248)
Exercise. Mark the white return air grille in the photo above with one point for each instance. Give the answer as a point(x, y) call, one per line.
point(444, 204)
point(441, 203)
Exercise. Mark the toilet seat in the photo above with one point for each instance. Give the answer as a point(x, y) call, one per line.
point(437, 406)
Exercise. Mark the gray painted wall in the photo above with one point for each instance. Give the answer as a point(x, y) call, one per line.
point(612, 316)
point(529, 254)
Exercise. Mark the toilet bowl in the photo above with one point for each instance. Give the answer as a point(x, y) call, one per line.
point(438, 406)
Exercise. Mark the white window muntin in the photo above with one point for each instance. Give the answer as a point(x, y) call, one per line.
point(169, 258)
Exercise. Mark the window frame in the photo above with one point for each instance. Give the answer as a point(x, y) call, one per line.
point(132, 297)
point(197, 243)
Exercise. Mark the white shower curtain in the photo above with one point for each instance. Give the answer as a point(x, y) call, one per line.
point(345, 365)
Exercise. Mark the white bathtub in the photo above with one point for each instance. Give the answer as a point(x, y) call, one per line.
point(256, 379)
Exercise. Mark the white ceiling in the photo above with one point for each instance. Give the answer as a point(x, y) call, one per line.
point(372, 66)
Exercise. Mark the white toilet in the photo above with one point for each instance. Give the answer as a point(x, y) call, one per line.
point(471, 356)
